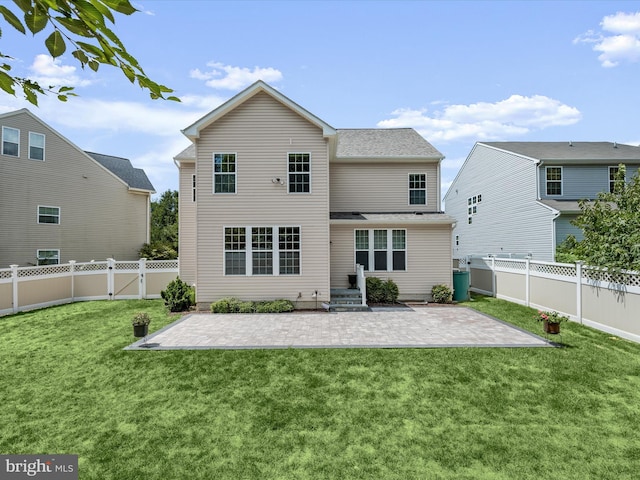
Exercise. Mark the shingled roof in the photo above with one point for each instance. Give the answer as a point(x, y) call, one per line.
point(122, 168)
point(567, 151)
point(382, 142)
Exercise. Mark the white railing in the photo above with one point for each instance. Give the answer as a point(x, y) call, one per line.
point(362, 283)
point(28, 288)
point(608, 301)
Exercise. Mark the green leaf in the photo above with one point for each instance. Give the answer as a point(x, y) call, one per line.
point(12, 19)
point(30, 96)
point(128, 71)
point(35, 20)
point(62, 98)
point(94, 65)
point(97, 52)
point(6, 83)
point(55, 44)
point(104, 10)
point(81, 57)
point(24, 5)
point(75, 26)
point(88, 13)
point(121, 6)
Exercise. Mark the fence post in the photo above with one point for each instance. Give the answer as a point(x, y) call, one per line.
point(14, 287)
point(493, 276)
point(579, 291)
point(111, 263)
point(527, 282)
point(72, 269)
point(142, 287)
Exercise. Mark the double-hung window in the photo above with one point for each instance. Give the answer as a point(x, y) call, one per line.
point(256, 257)
point(11, 141)
point(381, 249)
point(417, 189)
point(193, 188)
point(613, 173)
point(49, 215)
point(299, 168)
point(553, 181)
point(48, 257)
point(224, 173)
point(36, 146)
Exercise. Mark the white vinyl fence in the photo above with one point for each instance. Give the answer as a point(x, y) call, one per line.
point(28, 288)
point(607, 301)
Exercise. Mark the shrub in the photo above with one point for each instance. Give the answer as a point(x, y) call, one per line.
point(178, 296)
point(379, 291)
point(441, 294)
point(233, 305)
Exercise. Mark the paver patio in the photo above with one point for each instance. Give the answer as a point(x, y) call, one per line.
point(425, 327)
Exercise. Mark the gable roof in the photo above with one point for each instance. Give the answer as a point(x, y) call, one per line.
point(193, 131)
point(384, 143)
point(121, 167)
point(592, 152)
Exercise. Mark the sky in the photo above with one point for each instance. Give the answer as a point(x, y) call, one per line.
point(457, 72)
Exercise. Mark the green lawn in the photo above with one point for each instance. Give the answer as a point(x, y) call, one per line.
point(67, 386)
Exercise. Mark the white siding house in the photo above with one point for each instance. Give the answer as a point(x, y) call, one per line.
point(518, 198)
point(280, 197)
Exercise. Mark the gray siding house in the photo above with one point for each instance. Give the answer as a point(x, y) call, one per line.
point(518, 198)
point(276, 203)
point(59, 203)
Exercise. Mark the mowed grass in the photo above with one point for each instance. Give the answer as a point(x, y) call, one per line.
point(67, 386)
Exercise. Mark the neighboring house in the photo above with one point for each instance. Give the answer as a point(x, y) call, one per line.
point(518, 198)
point(276, 203)
point(59, 203)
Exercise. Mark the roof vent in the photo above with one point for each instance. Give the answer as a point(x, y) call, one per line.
point(570, 143)
point(615, 144)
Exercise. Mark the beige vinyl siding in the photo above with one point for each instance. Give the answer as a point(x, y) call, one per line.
point(428, 258)
point(187, 224)
point(99, 217)
point(377, 187)
point(261, 132)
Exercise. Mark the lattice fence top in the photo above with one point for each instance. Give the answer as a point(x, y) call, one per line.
point(621, 278)
point(510, 264)
point(554, 269)
point(44, 270)
point(127, 265)
point(162, 264)
point(5, 274)
point(91, 266)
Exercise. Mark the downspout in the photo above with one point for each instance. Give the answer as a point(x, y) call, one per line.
point(148, 218)
point(439, 187)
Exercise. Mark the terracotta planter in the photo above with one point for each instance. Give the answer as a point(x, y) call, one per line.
point(140, 330)
point(551, 328)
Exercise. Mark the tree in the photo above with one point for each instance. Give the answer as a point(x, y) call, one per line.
point(74, 22)
point(163, 243)
point(611, 226)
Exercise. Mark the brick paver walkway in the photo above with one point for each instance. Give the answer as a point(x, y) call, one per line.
point(384, 328)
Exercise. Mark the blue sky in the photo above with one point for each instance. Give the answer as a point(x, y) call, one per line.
point(458, 72)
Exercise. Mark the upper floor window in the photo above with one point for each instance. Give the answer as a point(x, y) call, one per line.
point(299, 169)
point(49, 215)
point(36, 146)
point(553, 180)
point(193, 188)
point(224, 173)
point(613, 173)
point(48, 257)
point(417, 189)
point(11, 141)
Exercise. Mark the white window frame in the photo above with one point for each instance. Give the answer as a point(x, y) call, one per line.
point(389, 249)
point(3, 141)
point(409, 189)
point(289, 173)
point(48, 215)
point(234, 174)
point(40, 257)
point(612, 182)
point(44, 142)
point(193, 187)
point(249, 250)
point(546, 181)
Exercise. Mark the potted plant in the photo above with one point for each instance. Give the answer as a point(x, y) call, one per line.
point(551, 321)
point(140, 324)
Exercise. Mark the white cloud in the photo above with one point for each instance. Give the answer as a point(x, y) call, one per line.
point(234, 78)
point(508, 118)
point(623, 42)
point(48, 71)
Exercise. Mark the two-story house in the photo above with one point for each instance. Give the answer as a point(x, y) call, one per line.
point(276, 203)
point(59, 203)
point(519, 198)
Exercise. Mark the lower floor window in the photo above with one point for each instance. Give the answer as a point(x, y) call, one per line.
point(381, 249)
point(256, 257)
point(48, 257)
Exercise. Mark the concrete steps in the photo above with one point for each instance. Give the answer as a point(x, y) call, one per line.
point(345, 300)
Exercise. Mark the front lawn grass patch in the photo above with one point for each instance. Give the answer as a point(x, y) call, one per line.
point(461, 413)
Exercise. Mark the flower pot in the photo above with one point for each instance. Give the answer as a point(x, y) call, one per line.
point(551, 328)
point(140, 330)
point(353, 280)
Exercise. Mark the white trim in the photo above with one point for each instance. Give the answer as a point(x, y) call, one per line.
point(611, 183)
point(371, 250)
point(409, 189)
point(546, 180)
point(48, 223)
point(44, 144)
point(2, 140)
point(235, 173)
point(47, 250)
point(193, 188)
point(289, 173)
